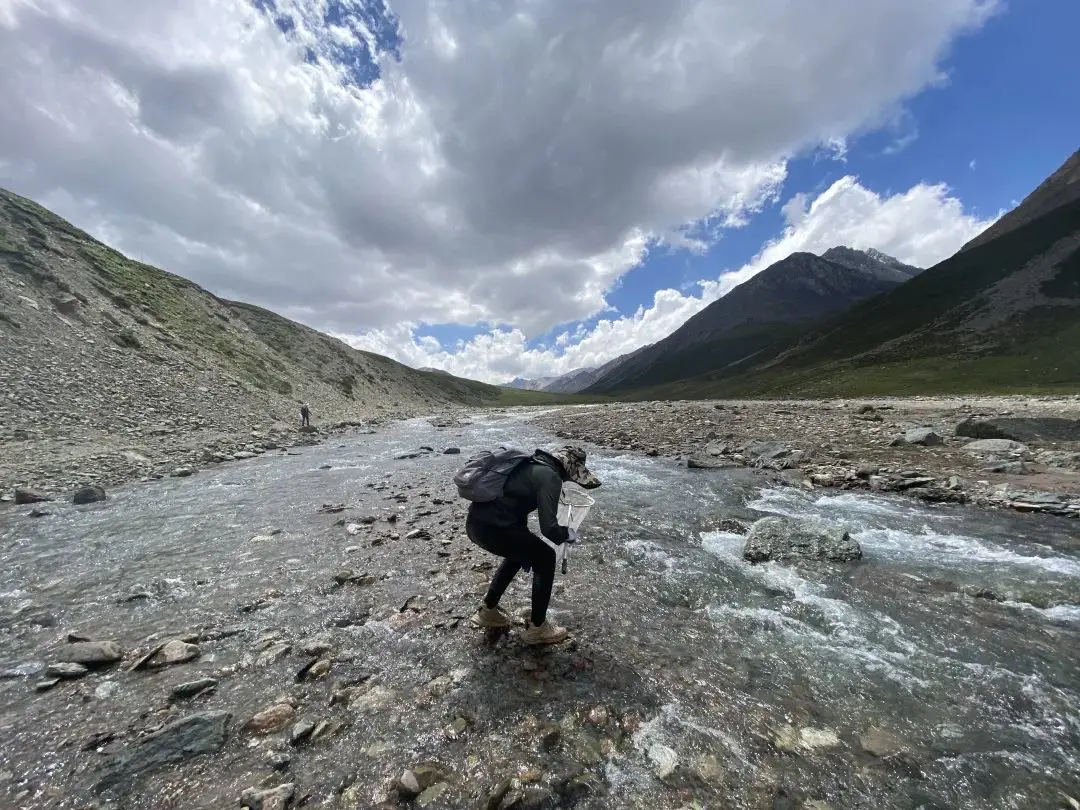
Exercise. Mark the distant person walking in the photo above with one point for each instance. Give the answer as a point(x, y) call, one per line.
point(305, 415)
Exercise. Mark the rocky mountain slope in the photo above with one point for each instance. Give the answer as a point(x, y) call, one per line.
point(1001, 316)
point(107, 358)
point(1062, 187)
point(757, 314)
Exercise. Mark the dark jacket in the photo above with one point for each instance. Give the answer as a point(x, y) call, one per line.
point(535, 486)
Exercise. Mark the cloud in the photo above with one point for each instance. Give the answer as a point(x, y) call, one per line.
point(463, 162)
point(921, 226)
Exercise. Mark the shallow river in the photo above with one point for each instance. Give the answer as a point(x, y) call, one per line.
point(879, 684)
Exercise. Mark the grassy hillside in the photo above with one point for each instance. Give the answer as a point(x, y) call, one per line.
point(96, 342)
point(1003, 316)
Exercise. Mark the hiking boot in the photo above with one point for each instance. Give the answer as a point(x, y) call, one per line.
point(547, 633)
point(491, 618)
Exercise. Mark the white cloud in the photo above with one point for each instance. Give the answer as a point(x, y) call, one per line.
point(509, 168)
point(921, 226)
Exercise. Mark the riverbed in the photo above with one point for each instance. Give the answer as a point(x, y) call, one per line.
point(942, 670)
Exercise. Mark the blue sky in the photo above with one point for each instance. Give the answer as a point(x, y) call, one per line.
point(521, 188)
point(1005, 118)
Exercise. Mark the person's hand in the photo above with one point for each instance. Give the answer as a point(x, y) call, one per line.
point(574, 536)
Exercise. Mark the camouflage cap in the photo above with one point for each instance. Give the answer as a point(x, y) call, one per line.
point(572, 460)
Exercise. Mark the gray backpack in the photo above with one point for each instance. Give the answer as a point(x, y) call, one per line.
point(484, 475)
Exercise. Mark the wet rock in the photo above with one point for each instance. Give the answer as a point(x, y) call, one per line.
point(25, 496)
point(431, 795)
point(794, 739)
point(278, 798)
point(995, 446)
point(1022, 429)
point(273, 654)
point(46, 684)
point(707, 462)
point(664, 760)
point(733, 526)
point(183, 472)
point(67, 671)
point(192, 688)
point(278, 760)
point(177, 652)
point(452, 451)
point(880, 742)
point(91, 652)
point(785, 539)
point(272, 719)
point(85, 495)
point(315, 668)
point(187, 737)
point(301, 732)
point(419, 778)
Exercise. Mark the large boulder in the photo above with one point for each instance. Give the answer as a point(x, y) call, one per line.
point(180, 740)
point(772, 455)
point(785, 539)
point(1022, 429)
point(85, 495)
point(921, 436)
point(25, 495)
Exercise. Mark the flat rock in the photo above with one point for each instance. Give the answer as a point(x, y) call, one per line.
point(995, 446)
point(91, 652)
point(785, 539)
point(709, 462)
point(183, 739)
point(880, 742)
point(192, 688)
point(66, 670)
point(277, 798)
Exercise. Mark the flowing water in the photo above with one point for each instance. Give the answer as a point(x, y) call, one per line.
point(693, 676)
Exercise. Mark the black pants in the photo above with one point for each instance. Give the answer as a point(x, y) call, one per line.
point(520, 548)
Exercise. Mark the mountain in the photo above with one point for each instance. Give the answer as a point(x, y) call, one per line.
point(759, 313)
point(102, 349)
point(523, 384)
point(872, 262)
point(572, 381)
point(1002, 315)
point(1060, 188)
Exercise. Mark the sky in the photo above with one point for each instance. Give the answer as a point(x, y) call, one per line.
point(504, 188)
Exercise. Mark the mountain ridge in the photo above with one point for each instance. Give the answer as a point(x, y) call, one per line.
point(757, 313)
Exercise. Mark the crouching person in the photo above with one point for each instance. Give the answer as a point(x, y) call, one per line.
point(500, 526)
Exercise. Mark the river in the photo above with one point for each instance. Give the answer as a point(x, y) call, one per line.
point(693, 678)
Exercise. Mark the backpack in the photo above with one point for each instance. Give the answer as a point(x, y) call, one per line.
point(484, 475)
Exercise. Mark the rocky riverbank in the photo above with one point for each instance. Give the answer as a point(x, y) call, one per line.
point(1016, 452)
point(294, 632)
